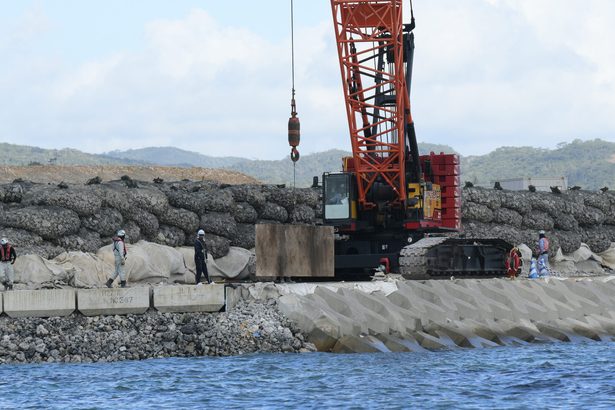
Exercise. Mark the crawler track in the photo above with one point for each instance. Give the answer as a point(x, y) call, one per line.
point(413, 261)
point(443, 257)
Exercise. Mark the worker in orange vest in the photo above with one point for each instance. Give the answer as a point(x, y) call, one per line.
point(7, 260)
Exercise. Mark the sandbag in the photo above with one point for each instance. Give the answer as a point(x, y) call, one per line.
point(608, 257)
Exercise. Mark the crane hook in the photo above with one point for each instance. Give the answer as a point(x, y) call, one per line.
point(294, 126)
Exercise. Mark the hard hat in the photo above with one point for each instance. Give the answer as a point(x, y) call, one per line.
point(541, 232)
point(4, 241)
point(201, 232)
point(121, 233)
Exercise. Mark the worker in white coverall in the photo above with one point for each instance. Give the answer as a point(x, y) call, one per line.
point(119, 252)
point(7, 259)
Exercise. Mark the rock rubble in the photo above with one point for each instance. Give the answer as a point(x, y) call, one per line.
point(252, 326)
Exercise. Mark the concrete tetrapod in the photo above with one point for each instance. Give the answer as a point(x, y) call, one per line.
point(346, 304)
point(459, 333)
point(407, 298)
point(359, 344)
point(347, 324)
point(398, 344)
point(500, 293)
point(491, 303)
point(563, 310)
point(463, 300)
point(320, 326)
point(536, 308)
point(401, 321)
point(571, 295)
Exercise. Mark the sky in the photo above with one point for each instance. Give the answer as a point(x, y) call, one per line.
point(214, 77)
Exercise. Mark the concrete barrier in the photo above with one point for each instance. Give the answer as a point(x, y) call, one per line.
point(117, 301)
point(294, 250)
point(190, 298)
point(39, 303)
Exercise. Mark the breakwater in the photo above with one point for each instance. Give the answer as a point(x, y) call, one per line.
point(401, 315)
point(381, 316)
point(252, 326)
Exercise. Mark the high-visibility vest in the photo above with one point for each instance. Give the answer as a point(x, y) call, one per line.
point(115, 248)
point(545, 244)
point(5, 257)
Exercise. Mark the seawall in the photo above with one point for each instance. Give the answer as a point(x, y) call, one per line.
point(99, 325)
point(400, 315)
point(102, 325)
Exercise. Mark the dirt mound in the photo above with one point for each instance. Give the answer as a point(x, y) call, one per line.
point(82, 173)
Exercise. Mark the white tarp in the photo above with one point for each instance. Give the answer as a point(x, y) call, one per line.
point(232, 266)
point(583, 259)
point(146, 262)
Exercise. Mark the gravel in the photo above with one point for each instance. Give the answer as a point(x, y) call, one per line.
point(254, 326)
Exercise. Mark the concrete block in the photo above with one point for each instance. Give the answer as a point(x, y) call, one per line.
point(232, 296)
point(116, 301)
point(318, 323)
point(39, 303)
point(347, 305)
point(204, 298)
point(294, 250)
point(359, 344)
point(407, 344)
point(347, 325)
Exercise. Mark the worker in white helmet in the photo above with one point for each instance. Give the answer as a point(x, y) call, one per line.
point(542, 249)
point(7, 260)
point(200, 257)
point(120, 254)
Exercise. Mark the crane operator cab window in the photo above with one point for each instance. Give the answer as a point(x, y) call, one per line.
point(337, 196)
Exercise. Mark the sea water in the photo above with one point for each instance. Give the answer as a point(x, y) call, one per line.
point(562, 375)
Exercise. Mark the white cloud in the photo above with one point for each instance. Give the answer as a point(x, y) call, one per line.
point(488, 73)
point(507, 72)
point(19, 33)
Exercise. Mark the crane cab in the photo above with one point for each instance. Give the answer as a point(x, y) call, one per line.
point(339, 199)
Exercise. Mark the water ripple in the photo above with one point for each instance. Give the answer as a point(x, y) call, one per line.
point(560, 375)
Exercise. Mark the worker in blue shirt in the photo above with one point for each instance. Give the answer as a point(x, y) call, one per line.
point(543, 250)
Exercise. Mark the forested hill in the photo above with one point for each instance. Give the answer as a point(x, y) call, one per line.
point(26, 155)
point(175, 157)
point(589, 164)
point(272, 171)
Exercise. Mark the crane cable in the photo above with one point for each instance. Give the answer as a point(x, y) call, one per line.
point(294, 128)
point(292, 45)
point(292, 65)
